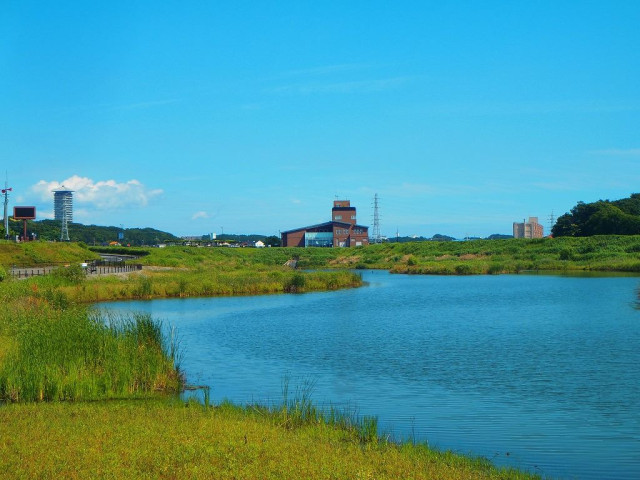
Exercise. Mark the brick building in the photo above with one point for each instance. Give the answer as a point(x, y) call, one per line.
point(341, 231)
point(530, 229)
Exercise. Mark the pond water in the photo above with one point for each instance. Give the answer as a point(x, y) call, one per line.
point(539, 372)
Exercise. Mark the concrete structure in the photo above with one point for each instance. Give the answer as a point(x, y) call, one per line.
point(341, 231)
point(530, 229)
point(63, 210)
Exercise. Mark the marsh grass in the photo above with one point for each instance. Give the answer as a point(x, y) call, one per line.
point(74, 354)
point(204, 283)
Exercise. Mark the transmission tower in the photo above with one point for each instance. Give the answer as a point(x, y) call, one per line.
point(552, 221)
point(376, 220)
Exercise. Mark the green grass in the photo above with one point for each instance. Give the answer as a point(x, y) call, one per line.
point(30, 254)
point(73, 354)
point(600, 253)
point(162, 439)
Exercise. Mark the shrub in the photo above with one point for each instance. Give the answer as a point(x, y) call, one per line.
point(463, 269)
point(74, 273)
point(566, 254)
point(295, 284)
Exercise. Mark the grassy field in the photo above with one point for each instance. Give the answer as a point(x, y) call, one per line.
point(604, 253)
point(38, 253)
point(162, 439)
point(600, 253)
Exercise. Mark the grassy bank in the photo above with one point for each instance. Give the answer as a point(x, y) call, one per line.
point(52, 354)
point(159, 439)
point(32, 254)
point(52, 347)
point(600, 253)
point(604, 253)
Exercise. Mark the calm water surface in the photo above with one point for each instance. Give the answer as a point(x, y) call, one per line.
point(533, 371)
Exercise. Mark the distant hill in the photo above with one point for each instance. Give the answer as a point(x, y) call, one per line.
point(499, 236)
point(604, 217)
point(93, 234)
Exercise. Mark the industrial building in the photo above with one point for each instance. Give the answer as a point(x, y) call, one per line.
point(530, 229)
point(341, 231)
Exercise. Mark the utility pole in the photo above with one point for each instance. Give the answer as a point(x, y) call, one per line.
point(5, 192)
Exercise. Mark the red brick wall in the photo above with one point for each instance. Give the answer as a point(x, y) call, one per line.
point(293, 239)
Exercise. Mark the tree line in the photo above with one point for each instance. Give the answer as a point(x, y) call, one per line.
point(604, 217)
point(49, 230)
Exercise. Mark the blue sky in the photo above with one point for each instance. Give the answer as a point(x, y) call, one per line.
point(251, 117)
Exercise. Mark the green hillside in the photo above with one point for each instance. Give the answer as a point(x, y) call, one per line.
point(604, 217)
point(91, 234)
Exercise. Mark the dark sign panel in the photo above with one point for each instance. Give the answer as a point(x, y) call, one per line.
point(24, 213)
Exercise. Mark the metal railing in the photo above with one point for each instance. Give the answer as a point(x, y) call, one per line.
point(92, 268)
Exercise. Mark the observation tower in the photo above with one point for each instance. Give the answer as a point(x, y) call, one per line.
point(63, 210)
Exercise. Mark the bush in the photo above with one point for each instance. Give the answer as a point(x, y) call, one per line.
point(3, 274)
point(295, 284)
point(73, 273)
point(566, 254)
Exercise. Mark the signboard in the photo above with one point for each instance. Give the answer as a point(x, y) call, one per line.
point(24, 213)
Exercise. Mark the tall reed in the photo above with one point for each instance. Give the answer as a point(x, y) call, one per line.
point(76, 354)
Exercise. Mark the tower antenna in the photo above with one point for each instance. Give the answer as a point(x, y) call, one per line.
point(552, 221)
point(376, 220)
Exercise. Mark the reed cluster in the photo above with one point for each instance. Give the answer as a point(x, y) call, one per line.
point(75, 354)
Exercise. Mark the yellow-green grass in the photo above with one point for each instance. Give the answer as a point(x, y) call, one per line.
point(609, 253)
point(599, 253)
point(188, 283)
point(161, 439)
point(43, 253)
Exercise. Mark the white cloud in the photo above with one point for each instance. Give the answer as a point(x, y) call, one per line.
point(200, 214)
point(103, 194)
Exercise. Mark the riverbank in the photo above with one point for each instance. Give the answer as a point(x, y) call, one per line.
point(169, 439)
point(598, 253)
